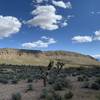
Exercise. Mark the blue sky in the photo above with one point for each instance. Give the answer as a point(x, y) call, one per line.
point(71, 25)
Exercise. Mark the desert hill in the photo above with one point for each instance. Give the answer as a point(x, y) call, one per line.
point(37, 57)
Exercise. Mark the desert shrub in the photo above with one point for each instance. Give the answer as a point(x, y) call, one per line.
point(98, 97)
point(62, 75)
point(29, 88)
point(51, 80)
point(53, 96)
point(29, 80)
point(95, 86)
point(60, 84)
point(98, 81)
point(56, 96)
point(3, 81)
point(75, 74)
point(81, 79)
point(68, 95)
point(14, 81)
point(44, 94)
point(85, 78)
point(85, 85)
point(16, 96)
point(50, 95)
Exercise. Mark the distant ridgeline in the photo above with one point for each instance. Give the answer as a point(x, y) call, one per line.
point(42, 58)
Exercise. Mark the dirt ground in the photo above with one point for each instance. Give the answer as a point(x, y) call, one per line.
point(79, 93)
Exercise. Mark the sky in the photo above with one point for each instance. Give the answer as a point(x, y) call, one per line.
point(70, 25)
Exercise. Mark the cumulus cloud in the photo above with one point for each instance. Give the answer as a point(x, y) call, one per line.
point(62, 4)
point(64, 23)
point(9, 25)
point(39, 1)
point(96, 56)
point(70, 16)
point(44, 42)
point(97, 35)
point(82, 39)
point(95, 13)
point(45, 17)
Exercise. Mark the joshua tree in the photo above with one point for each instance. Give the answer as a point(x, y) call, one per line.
point(46, 73)
point(60, 65)
point(50, 65)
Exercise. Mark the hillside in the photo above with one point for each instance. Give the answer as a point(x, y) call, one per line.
point(36, 57)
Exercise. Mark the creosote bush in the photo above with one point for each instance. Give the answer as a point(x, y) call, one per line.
point(44, 94)
point(50, 95)
point(81, 79)
point(60, 84)
point(98, 81)
point(3, 81)
point(68, 95)
point(14, 81)
point(16, 96)
point(95, 86)
point(29, 80)
point(29, 88)
point(85, 85)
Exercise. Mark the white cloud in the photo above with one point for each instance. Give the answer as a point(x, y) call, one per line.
point(62, 4)
point(44, 42)
point(45, 17)
point(44, 37)
point(39, 1)
point(70, 16)
point(9, 25)
point(95, 12)
point(68, 5)
point(97, 35)
point(64, 23)
point(96, 56)
point(92, 12)
point(82, 39)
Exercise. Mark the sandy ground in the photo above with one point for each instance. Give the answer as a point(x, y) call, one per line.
point(7, 90)
point(79, 93)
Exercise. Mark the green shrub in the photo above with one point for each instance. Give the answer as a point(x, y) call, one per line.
point(98, 81)
point(53, 96)
point(56, 96)
point(14, 81)
point(44, 94)
point(29, 80)
point(3, 81)
point(85, 78)
point(60, 84)
point(80, 78)
point(85, 85)
point(16, 96)
point(50, 95)
point(68, 95)
point(29, 88)
point(51, 80)
point(95, 86)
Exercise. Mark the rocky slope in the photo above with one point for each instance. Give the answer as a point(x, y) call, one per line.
point(36, 57)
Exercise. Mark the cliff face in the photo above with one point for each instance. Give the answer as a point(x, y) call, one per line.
point(37, 57)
